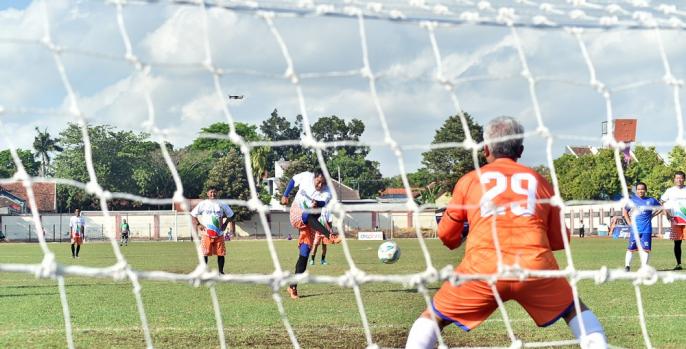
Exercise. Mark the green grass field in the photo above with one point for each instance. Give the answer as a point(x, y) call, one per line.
point(104, 313)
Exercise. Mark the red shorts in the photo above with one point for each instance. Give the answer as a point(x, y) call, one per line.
point(213, 246)
point(76, 239)
point(677, 232)
point(471, 303)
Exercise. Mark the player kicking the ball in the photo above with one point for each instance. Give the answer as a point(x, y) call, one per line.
point(528, 231)
point(211, 217)
point(312, 193)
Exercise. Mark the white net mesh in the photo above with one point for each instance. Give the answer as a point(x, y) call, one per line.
point(575, 20)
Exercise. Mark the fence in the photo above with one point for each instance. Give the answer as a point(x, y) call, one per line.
point(172, 225)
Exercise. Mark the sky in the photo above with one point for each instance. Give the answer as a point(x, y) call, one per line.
point(482, 61)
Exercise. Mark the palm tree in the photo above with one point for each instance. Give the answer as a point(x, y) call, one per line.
point(44, 145)
point(258, 159)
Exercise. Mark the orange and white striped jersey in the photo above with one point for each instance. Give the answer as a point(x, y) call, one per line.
point(505, 199)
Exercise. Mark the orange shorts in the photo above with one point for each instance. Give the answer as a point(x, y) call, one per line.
point(469, 304)
point(306, 237)
point(213, 246)
point(677, 232)
point(76, 239)
point(319, 238)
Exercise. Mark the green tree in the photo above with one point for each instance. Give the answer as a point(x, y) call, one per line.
point(124, 161)
point(43, 144)
point(651, 169)
point(193, 167)
point(333, 128)
point(357, 172)
point(588, 177)
point(8, 167)
point(222, 146)
point(418, 179)
point(278, 128)
point(230, 178)
point(449, 164)
point(544, 171)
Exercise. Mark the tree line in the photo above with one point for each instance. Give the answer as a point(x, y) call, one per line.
point(128, 161)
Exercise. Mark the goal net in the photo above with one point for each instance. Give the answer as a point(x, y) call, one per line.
point(558, 66)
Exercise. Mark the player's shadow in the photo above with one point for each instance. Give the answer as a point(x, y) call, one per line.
point(669, 269)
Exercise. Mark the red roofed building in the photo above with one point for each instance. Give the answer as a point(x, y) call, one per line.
point(397, 194)
point(44, 192)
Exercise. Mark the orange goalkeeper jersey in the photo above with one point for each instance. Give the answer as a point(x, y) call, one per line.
point(528, 230)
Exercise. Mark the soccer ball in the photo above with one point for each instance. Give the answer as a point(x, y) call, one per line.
point(389, 252)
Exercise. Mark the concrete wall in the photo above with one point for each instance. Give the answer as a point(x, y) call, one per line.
point(155, 225)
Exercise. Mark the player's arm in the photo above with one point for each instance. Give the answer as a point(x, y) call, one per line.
point(663, 200)
point(627, 215)
point(294, 182)
point(555, 229)
point(194, 218)
point(452, 223)
point(555, 226)
point(229, 216)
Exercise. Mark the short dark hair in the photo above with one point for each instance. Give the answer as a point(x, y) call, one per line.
point(643, 184)
point(680, 173)
point(318, 172)
point(212, 187)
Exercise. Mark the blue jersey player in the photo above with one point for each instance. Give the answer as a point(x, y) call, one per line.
point(640, 217)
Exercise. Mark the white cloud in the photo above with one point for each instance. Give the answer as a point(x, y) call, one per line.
point(110, 90)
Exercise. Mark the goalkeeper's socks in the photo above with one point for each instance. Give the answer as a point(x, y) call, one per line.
point(422, 334)
point(595, 335)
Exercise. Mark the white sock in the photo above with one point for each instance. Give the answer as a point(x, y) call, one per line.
point(627, 258)
point(422, 335)
point(595, 335)
point(645, 256)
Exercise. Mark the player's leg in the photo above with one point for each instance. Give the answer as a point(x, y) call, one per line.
point(548, 300)
point(73, 248)
point(220, 250)
point(78, 247)
point(305, 242)
point(314, 223)
point(630, 253)
point(646, 243)
point(205, 246)
point(595, 334)
point(323, 261)
point(677, 235)
point(315, 246)
point(466, 306)
point(677, 254)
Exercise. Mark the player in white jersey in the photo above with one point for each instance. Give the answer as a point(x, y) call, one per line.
point(313, 192)
point(77, 232)
point(674, 202)
point(211, 217)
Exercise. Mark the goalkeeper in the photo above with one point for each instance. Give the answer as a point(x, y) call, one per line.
point(528, 231)
point(313, 192)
